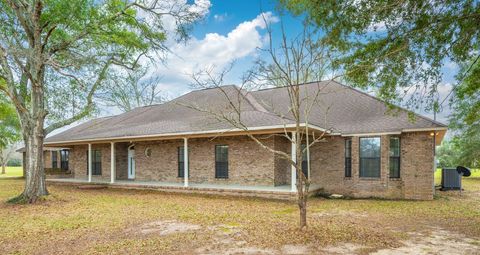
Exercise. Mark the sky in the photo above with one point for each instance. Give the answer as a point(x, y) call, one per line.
point(230, 31)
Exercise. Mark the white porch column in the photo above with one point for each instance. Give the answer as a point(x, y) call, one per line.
point(112, 162)
point(185, 161)
point(89, 162)
point(294, 159)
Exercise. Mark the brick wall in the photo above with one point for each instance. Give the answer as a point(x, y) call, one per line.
point(78, 161)
point(47, 159)
point(249, 164)
point(121, 161)
point(416, 168)
point(282, 168)
point(417, 160)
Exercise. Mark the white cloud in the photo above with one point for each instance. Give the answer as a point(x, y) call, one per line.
point(214, 50)
point(220, 17)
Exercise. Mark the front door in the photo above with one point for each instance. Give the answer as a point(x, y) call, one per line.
point(131, 162)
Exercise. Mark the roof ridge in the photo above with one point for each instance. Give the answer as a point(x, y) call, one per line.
point(252, 100)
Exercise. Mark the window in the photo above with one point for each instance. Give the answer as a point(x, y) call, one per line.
point(394, 157)
point(305, 160)
point(221, 161)
point(181, 161)
point(370, 157)
point(348, 158)
point(96, 162)
point(64, 159)
point(54, 159)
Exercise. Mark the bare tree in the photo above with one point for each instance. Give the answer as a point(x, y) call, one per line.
point(5, 155)
point(131, 89)
point(293, 63)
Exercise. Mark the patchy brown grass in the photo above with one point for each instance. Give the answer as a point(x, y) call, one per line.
point(74, 221)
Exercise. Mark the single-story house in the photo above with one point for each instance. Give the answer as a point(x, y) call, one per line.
point(55, 159)
point(183, 145)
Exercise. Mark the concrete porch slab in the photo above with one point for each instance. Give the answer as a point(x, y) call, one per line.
point(278, 192)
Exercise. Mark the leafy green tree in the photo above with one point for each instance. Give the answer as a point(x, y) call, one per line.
point(447, 155)
point(399, 47)
point(9, 131)
point(465, 120)
point(55, 55)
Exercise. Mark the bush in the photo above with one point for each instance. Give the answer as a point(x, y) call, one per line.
point(14, 162)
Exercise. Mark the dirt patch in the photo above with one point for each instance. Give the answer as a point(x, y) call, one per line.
point(295, 249)
point(163, 228)
point(345, 248)
point(439, 241)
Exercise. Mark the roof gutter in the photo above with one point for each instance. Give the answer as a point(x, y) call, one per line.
point(218, 131)
point(398, 132)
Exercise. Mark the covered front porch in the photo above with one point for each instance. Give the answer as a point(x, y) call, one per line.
point(234, 161)
point(275, 192)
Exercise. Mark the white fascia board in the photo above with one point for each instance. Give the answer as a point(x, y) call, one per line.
point(372, 134)
point(398, 132)
point(218, 131)
point(424, 129)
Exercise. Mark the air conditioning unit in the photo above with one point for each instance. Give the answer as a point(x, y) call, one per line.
point(452, 177)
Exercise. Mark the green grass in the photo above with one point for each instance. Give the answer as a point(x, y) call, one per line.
point(98, 221)
point(13, 171)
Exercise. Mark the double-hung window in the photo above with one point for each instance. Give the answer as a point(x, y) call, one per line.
point(370, 157)
point(348, 158)
point(221, 161)
point(305, 160)
point(54, 159)
point(181, 161)
point(64, 159)
point(394, 157)
point(96, 162)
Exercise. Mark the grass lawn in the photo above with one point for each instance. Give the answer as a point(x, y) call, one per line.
point(13, 171)
point(109, 221)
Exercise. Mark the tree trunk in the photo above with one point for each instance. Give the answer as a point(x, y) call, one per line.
point(302, 206)
point(35, 186)
point(3, 168)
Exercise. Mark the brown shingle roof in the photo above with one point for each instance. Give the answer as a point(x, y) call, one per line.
point(349, 111)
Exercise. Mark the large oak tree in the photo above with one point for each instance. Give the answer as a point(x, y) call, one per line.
point(55, 54)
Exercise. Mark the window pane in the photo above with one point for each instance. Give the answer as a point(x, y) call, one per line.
point(395, 146)
point(370, 147)
point(221, 153)
point(181, 156)
point(348, 158)
point(394, 167)
point(370, 157)
point(348, 148)
point(181, 160)
point(221, 161)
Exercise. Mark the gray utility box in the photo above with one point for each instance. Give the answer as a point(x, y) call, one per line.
point(451, 179)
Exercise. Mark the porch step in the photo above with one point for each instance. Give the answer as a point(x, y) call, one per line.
point(277, 195)
point(94, 186)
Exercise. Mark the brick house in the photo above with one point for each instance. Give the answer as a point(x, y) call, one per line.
point(182, 146)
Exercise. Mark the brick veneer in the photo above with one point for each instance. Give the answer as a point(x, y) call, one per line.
point(416, 168)
point(249, 164)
